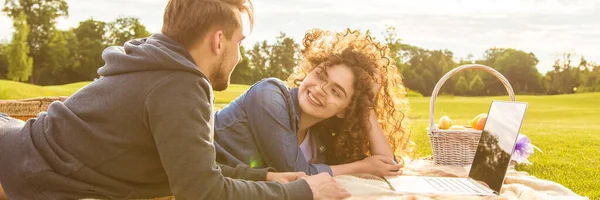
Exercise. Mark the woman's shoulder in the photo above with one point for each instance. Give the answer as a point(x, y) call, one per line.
point(270, 87)
point(270, 83)
point(269, 95)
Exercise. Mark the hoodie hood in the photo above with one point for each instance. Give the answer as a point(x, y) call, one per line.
point(157, 52)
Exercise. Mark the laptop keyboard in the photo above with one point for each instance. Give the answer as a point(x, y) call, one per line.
point(453, 185)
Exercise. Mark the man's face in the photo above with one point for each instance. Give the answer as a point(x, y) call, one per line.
point(230, 57)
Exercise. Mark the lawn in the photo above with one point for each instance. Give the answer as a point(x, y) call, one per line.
point(565, 127)
point(233, 91)
point(16, 90)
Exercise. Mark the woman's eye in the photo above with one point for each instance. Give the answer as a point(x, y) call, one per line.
point(337, 94)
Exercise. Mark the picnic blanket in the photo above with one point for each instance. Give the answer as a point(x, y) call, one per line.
point(518, 185)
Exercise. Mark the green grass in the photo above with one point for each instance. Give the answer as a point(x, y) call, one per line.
point(16, 90)
point(233, 91)
point(565, 127)
point(412, 93)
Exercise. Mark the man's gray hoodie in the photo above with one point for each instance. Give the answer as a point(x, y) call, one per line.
point(143, 130)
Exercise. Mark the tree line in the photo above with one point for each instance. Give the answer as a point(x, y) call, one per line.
point(422, 68)
point(41, 54)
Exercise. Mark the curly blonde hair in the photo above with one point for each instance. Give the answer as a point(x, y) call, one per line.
point(370, 63)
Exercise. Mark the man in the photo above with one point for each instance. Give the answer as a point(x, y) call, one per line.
point(145, 129)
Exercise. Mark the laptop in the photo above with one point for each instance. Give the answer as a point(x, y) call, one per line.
point(490, 163)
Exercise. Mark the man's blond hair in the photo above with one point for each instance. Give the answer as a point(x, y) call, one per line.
point(187, 21)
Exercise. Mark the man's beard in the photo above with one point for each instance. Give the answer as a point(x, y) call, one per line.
point(219, 79)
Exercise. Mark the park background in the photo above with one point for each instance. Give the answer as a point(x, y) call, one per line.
point(548, 50)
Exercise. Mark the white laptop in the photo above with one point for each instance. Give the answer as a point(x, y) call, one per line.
point(491, 158)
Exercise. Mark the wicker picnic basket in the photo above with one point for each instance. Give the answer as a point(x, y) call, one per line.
point(25, 109)
point(457, 147)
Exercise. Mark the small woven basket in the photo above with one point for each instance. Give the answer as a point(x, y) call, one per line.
point(457, 147)
point(25, 109)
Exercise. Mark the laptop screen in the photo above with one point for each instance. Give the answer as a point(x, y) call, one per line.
point(497, 143)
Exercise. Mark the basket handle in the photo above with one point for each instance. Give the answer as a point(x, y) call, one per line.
point(447, 76)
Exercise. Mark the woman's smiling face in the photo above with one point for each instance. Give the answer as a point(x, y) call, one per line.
point(326, 91)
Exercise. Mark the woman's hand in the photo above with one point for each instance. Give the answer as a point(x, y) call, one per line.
point(379, 165)
point(284, 177)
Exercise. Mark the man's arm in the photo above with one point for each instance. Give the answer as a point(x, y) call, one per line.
point(178, 113)
point(244, 172)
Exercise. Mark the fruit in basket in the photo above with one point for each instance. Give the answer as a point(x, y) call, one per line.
point(480, 123)
point(445, 122)
point(457, 127)
point(476, 119)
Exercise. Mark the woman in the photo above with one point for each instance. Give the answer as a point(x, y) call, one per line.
point(340, 112)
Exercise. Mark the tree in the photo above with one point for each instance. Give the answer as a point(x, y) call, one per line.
point(426, 67)
point(469, 74)
point(587, 76)
point(562, 80)
point(59, 58)
point(259, 57)
point(3, 60)
point(242, 73)
point(399, 51)
point(477, 86)
point(282, 59)
point(462, 86)
point(517, 66)
point(91, 37)
point(41, 20)
point(395, 45)
point(421, 68)
point(442, 63)
point(594, 78)
point(19, 62)
point(569, 78)
point(124, 29)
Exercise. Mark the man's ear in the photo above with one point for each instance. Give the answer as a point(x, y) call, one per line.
point(216, 42)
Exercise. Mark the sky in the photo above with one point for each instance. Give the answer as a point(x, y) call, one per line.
point(547, 28)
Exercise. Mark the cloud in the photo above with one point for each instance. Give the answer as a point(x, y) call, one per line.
point(6, 28)
point(544, 27)
point(429, 7)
